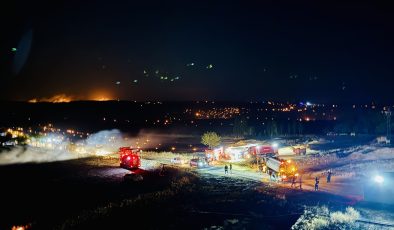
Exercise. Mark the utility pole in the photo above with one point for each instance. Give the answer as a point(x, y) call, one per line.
point(388, 125)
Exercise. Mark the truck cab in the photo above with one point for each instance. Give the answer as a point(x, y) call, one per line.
point(129, 158)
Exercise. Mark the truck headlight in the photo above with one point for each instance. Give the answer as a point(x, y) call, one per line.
point(379, 179)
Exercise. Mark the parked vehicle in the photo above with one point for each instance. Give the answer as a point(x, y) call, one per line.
point(278, 168)
point(129, 158)
point(198, 162)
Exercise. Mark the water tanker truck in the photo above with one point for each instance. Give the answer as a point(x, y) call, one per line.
point(280, 169)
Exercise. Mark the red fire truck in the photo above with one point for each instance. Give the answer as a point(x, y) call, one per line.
point(129, 157)
point(262, 150)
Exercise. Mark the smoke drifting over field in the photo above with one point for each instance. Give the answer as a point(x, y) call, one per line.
point(150, 139)
point(30, 154)
point(103, 142)
point(98, 144)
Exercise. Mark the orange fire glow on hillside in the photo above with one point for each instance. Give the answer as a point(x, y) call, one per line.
point(102, 99)
point(59, 98)
point(101, 96)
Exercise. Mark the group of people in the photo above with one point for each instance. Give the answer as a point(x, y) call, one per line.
point(293, 181)
point(329, 174)
point(226, 169)
point(317, 180)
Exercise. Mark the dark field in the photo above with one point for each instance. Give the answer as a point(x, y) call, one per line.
point(90, 193)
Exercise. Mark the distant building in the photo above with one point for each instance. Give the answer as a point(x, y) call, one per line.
point(383, 140)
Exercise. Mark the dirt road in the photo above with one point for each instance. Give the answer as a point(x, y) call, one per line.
point(339, 185)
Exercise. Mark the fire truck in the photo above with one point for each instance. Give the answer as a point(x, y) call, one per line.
point(283, 170)
point(215, 154)
point(129, 157)
point(262, 150)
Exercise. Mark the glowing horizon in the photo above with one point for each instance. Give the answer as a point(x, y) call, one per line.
point(100, 95)
point(58, 98)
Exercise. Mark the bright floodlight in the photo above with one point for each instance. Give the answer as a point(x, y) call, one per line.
point(379, 179)
point(275, 145)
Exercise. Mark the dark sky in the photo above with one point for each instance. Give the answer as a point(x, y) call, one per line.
point(315, 50)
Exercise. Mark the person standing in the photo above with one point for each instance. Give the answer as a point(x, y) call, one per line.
point(329, 176)
point(300, 181)
point(225, 169)
point(293, 181)
point(161, 173)
point(231, 168)
point(316, 184)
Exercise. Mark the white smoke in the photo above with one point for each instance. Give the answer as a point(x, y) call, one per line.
point(101, 143)
point(151, 139)
point(106, 140)
point(29, 154)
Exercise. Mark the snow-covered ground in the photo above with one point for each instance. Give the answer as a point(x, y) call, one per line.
point(358, 160)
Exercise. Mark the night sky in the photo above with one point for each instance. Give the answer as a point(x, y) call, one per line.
point(215, 50)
